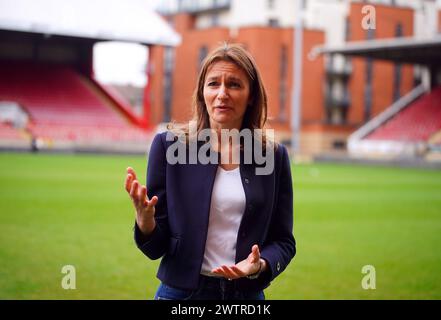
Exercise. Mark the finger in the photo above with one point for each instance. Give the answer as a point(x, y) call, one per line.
point(134, 191)
point(132, 172)
point(233, 272)
point(218, 271)
point(256, 253)
point(229, 273)
point(237, 271)
point(128, 183)
point(152, 202)
point(143, 194)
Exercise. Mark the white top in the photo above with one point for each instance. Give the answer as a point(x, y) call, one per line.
point(226, 211)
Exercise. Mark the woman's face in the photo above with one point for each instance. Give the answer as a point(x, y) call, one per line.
point(226, 94)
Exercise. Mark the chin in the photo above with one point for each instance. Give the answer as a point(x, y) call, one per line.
point(223, 120)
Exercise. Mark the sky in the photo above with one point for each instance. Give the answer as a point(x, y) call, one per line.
point(120, 63)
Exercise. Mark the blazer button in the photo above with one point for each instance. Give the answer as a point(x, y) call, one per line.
point(278, 266)
point(243, 234)
point(246, 180)
point(250, 207)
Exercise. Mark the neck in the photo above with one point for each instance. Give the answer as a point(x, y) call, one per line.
point(218, 127)
point(227, 126)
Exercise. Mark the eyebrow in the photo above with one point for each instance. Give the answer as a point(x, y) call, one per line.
point(229, 78)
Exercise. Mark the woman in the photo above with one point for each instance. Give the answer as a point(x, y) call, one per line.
point(223, 231)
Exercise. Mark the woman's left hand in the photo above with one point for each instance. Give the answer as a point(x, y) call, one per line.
point(249, 266)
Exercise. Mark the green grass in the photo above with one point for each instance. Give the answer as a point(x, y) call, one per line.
point(58, 210)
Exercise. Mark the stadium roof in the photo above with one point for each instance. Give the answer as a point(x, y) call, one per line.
point(119, 20)
point(405, 50)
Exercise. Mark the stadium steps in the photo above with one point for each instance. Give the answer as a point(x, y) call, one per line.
point(104, 98)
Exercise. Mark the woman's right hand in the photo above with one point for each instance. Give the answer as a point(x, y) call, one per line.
point(145, 208)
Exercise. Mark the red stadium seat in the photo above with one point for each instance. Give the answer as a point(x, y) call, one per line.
point(8, 132)
point(417, 122)
point(63, 104)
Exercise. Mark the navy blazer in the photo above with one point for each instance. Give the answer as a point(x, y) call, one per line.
point(182, 213)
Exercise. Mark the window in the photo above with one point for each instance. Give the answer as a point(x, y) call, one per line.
point(283, 83)
point(270, 4)
point(168, 59)
point(368, 89)
point(399, 30)
point(214, 20)
point(273, 22)
point(370, 34)
point(203, 51)
point(397, 81)
point(368, 92)
point(348, 29)
point(397, 67)
point(169, 56)
point(180, 5)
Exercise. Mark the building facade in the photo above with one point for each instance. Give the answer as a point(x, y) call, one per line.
point(338, 95)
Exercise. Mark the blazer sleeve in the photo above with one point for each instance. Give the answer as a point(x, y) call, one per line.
point(280, 246)
point(155, 245)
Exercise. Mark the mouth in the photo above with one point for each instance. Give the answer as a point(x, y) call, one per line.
point(223, 108)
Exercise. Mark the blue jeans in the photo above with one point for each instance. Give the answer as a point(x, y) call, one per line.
point(210, 288)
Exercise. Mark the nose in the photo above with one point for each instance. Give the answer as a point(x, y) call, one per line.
point(222, 93)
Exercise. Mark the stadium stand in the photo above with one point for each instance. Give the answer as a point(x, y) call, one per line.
point(11, 137)
point(436, 139)
point(416, 123)
point(65, 108)
point(434, 148)
point(408, 129)
point(13, 120)
point(47, 70)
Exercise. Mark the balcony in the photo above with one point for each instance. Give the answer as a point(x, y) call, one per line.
point(338, 70)
point(337, 102)
point(193, 6)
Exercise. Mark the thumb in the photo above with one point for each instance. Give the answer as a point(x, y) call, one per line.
point(255, 253)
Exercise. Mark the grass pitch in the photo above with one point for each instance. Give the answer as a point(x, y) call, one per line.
point(58, 210)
